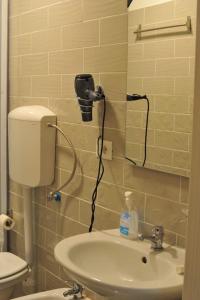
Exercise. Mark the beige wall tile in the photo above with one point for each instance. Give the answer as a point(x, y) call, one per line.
point(64, 13)
point(135, 17)
point(72, 130)
point(160, 121)
point(181, 241)
point(53, 282)
point(68, 86)
point(20, 86)
point(33, 21)
point(105, 219)
point(133, 151)
point(35, 101)
point(181, 160)
point(45, 41)
point(159, 49)
point(166, 213)
point(134, 85)
point(66, 110)
point(81, 35)
point(135, 52)
point(34, 65)
point(94, 9)
point(113, 169)
point(66, 62)
point(185, 189)
point(16, 244)
point(185, 8)
point(183, 123)
point(172, 140)
point(106, 59)
point(192, 66)
point(39, 3)
point(159, 156)
point(159, 13)
point(159, 86)
point(46, 259)
point(184, 86)
point(40, 235)
point(113, 30)
point(172, 104)
point(16, 202)
point(172, 67)
point(40, 196)
point(185, 47)
point(141, 68)
point(45, 86)
point(19, 6)
point(69, 207)
point(80, 187)
point(118, 112)
point(137, 135)
point(15, 187)
point(152, 182)
point(14, 66)
point(45, 217)
point(114, 85)
point(134, 119)
point(40, 278)
point(14, 26)
point(20, 45)
point(67, 227)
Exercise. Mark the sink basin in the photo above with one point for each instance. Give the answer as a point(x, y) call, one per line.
point(118, 269)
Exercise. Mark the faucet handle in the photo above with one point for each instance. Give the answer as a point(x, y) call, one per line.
point(158, 232)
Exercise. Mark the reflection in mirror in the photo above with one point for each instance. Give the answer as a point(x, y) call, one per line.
point(161, 54)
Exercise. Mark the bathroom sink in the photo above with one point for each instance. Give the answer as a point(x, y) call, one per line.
point(118, 269)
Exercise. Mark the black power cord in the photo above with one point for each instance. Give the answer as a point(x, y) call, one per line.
point(100, 143)
point(136, 97)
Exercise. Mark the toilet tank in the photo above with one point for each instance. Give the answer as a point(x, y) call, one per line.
point(31, 145)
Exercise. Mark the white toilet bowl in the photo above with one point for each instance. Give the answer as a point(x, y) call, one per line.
point(13, 270)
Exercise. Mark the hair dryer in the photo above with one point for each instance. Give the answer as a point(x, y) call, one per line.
point(86, 94)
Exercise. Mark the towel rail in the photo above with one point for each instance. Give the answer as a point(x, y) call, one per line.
point(188, 24)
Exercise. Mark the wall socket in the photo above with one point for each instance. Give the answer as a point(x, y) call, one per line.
point(107, 150)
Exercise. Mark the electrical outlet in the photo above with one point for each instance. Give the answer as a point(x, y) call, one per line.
point(107, 150)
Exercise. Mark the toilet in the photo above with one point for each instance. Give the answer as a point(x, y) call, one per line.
point(13, 270)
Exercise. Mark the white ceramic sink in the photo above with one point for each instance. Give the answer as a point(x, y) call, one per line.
point(118, 269)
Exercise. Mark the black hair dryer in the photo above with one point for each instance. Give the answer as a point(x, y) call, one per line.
point(86, 94)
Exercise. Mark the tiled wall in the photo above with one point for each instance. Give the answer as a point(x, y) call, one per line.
point(51, 41)
point(161, 65)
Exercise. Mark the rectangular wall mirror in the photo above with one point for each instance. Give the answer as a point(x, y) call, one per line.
point(161, 54)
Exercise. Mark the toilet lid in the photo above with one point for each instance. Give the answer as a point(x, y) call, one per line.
point(10, 264)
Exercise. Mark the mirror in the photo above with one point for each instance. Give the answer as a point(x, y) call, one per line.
point(160, 84)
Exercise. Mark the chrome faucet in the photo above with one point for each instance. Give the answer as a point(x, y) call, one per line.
point(76, 291)
point(156, 238)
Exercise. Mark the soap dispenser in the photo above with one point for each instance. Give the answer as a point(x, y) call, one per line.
point(129, 219)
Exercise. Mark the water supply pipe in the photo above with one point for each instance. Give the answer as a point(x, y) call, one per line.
point(28, 224)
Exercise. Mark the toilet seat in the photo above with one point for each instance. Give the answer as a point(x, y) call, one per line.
point(11, 265)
